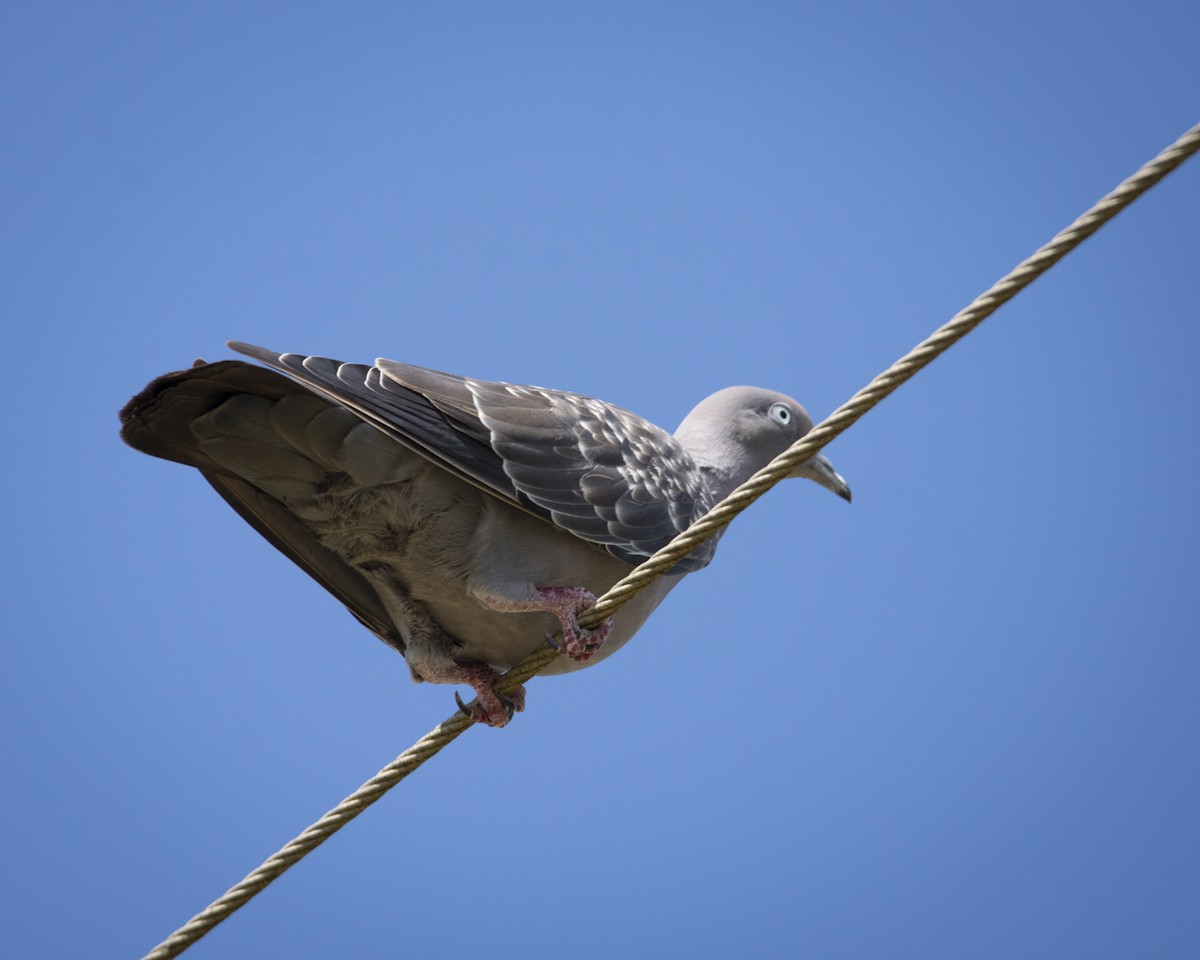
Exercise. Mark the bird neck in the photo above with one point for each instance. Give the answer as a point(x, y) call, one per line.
point(720, 470)
point(718, 454)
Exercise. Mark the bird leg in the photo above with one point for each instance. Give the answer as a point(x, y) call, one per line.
point(566, 603)
point(494, 709)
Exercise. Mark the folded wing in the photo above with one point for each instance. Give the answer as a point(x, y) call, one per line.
point(595, 470)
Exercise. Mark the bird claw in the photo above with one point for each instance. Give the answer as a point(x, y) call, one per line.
point(579, 644)
point(566, 603)
point(480, 714)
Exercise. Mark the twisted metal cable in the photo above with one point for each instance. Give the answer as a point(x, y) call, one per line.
point(311, 838)
point(713, 522)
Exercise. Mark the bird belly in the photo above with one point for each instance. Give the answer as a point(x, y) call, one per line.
point(432, 544)
point(428, 542)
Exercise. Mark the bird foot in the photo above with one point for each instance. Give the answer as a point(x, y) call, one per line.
point(491, 708)
point(567, 603)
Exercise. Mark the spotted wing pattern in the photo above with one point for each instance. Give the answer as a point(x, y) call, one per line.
point(595, 470)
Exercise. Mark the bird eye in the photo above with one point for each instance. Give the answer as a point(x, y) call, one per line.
point(780, 413)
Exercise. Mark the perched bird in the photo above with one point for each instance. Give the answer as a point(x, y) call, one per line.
point(462, 521)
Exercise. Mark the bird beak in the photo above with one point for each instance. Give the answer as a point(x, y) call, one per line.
point(820, 470)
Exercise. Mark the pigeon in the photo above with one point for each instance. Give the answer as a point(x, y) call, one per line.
point(464, 522)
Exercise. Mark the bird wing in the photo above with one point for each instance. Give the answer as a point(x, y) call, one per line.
point(158, 421)
point(590, 468)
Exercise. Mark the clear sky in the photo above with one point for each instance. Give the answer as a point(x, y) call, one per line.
point(957, 718)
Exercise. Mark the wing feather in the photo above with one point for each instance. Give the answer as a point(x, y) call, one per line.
point(594, 470)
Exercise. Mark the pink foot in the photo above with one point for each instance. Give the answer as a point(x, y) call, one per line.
point(567, 603)
point(490, 707)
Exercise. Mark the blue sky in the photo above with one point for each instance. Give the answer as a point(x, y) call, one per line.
point(956, 718)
